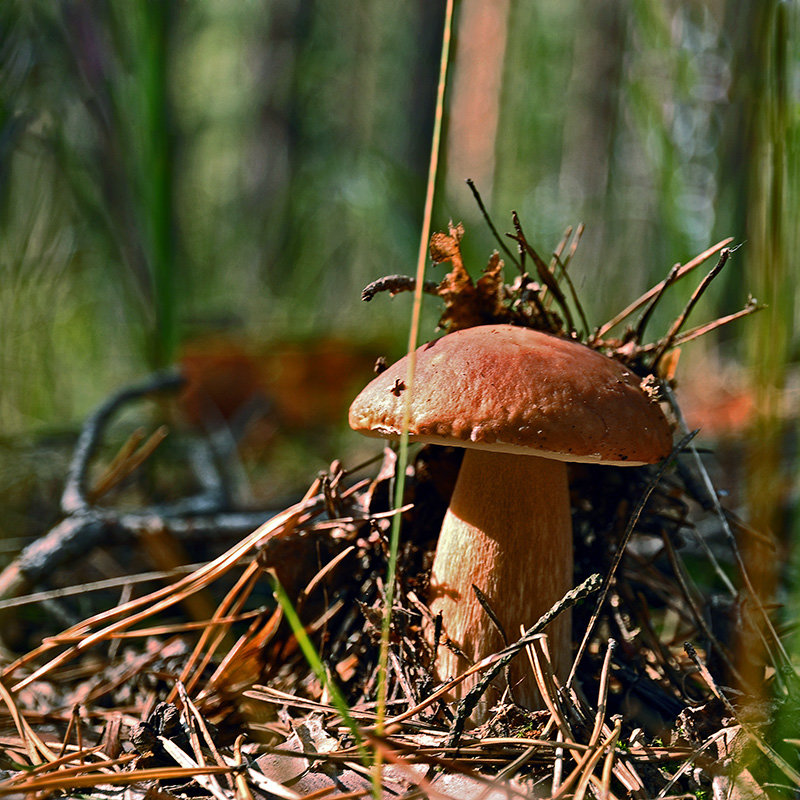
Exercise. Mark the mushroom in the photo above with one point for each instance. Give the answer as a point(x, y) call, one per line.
point(522, 403)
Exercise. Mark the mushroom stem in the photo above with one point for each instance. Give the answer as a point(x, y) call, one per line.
point(508, 531)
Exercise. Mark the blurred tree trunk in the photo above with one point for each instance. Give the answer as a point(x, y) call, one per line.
point(476, 88)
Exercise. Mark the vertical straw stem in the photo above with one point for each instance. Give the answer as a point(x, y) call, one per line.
point(422, 259)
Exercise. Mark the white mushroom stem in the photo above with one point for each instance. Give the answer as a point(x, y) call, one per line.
point(508, 531)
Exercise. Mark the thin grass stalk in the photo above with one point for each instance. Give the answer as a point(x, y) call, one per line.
point(315, 662)
point(413, 337)
point(150, 161)
point(785, 728)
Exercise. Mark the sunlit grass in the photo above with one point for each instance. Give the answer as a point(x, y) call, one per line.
point(315, 662)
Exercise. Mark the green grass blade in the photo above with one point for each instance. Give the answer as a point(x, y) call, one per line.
point(315, 662)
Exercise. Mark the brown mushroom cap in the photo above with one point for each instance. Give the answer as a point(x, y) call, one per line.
point(510, 389)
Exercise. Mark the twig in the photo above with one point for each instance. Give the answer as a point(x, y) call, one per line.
point(394, 284)
point(568, 278)
point(701, 330)
point(669, 339)
point(678, 571)
point(129, 614)
point(468, 703)
point(719, 511)
point(80, 533)
point(545, 275)
point(774, 757)
point(74, 498)
point(672, 276)
point(86, 525)
point(479, 200)
point(634, 519)
point(639, 302)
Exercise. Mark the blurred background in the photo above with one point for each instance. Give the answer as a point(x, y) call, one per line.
point(213, 183)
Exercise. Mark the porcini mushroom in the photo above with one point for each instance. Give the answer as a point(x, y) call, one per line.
point(522, 404)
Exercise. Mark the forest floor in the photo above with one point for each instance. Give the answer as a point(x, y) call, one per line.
point(265, 667)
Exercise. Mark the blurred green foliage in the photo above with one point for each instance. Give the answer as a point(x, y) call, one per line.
point(172, 169)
